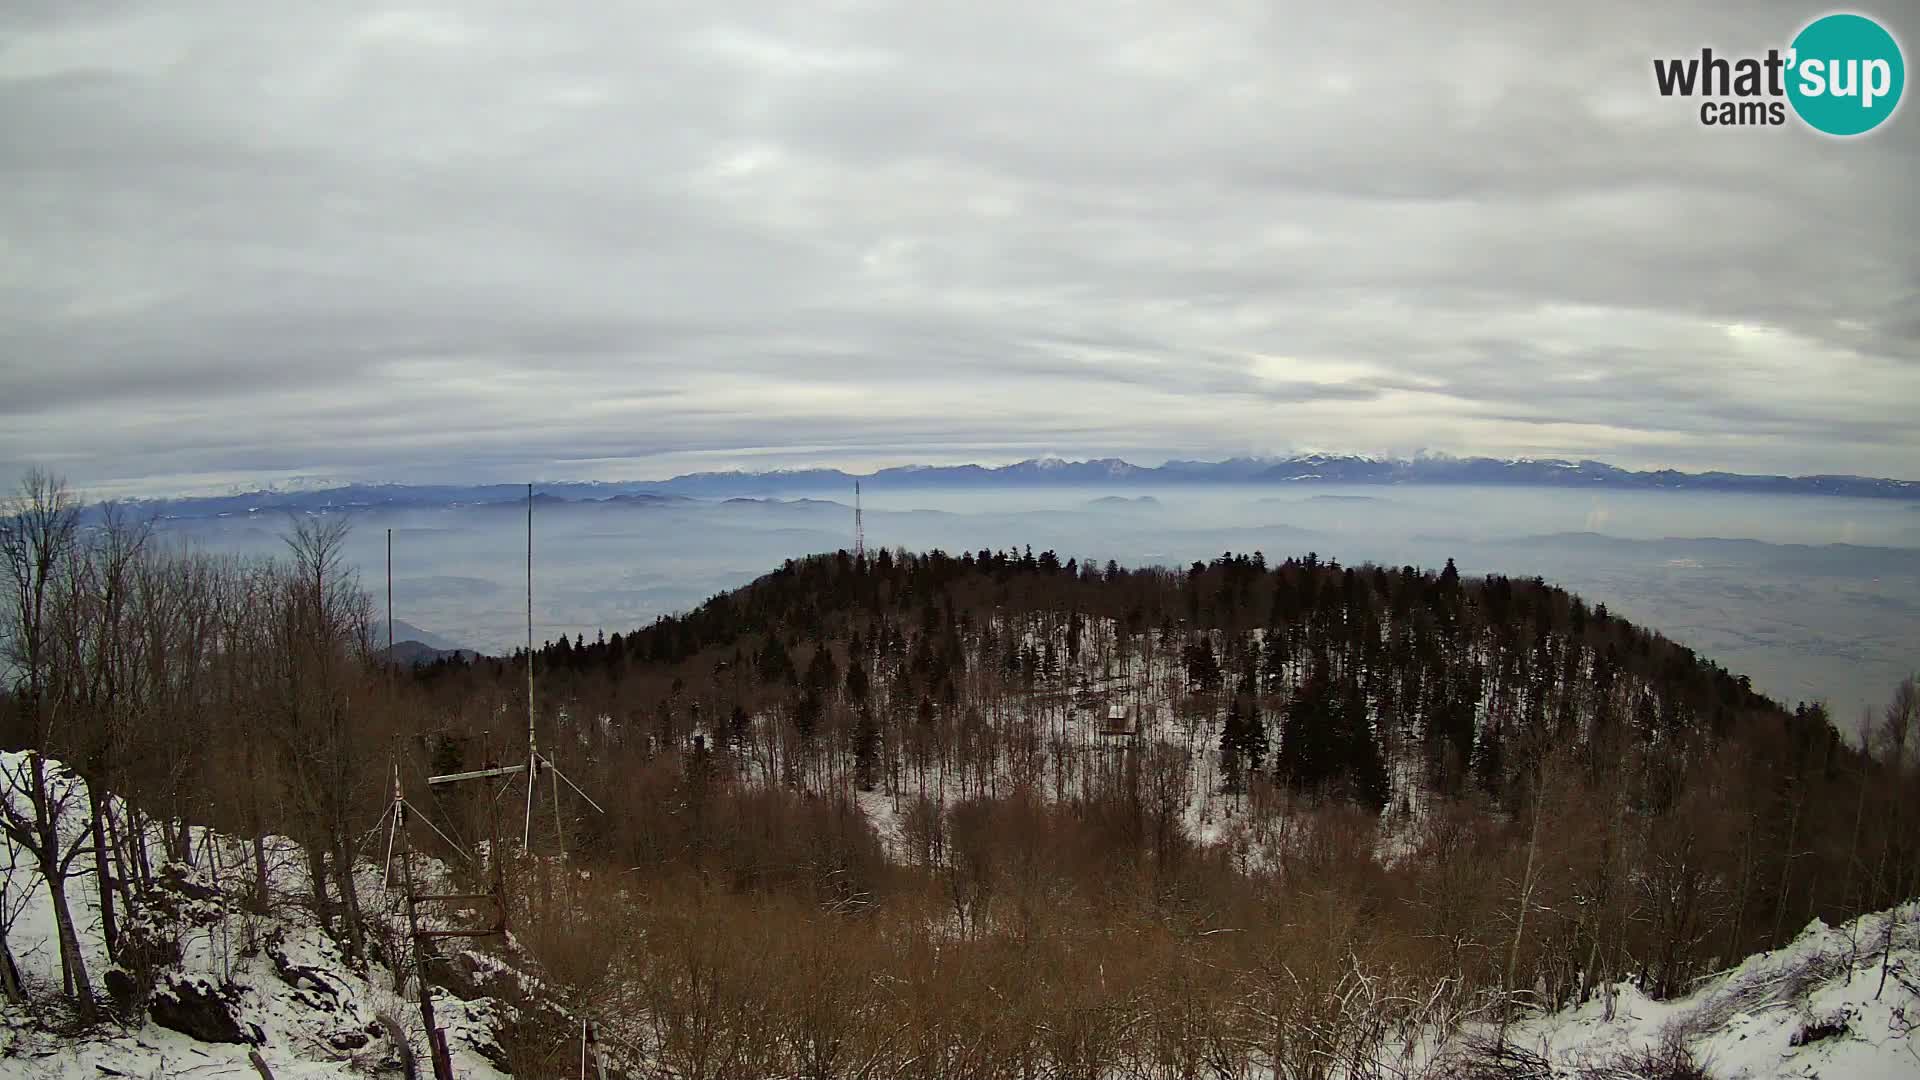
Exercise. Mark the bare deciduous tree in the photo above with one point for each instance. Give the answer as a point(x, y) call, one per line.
point(36, 545)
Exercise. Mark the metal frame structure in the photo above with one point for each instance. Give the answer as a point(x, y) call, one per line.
point(536, 761)
point(400, 841)
point(397, 829)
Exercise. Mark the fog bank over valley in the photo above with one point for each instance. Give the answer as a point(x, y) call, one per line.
point(1813, 597)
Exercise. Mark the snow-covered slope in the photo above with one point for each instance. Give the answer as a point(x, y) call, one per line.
point(272, 981)
point(1817, 1008)
point(1837, 1002)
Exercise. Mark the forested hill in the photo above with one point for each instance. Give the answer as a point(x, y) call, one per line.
point(1327, 673)
point(992, 810)
point(1463, 719)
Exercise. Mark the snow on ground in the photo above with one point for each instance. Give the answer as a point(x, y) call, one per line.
point(1815, 1008)
point(1074, 759)
point(1834, 1003)
point(291, 992)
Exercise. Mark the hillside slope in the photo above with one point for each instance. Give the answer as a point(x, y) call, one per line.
point(1345, 809)
point(227, 980)
point(1837, 1002)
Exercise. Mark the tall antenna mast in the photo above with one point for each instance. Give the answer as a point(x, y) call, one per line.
point(497, 893)
point(533, 748)
point(391, 662)
point(533, 744)
point(859, 526)
point(536, 762)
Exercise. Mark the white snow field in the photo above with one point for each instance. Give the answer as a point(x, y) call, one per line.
point(1817, 1007)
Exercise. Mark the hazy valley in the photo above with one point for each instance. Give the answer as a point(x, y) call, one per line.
point(1814, 597)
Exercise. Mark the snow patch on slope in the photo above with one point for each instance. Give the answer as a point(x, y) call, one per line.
point(1818, 1007)
point(294, 996)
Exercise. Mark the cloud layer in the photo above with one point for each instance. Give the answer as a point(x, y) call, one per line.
point(487, 241)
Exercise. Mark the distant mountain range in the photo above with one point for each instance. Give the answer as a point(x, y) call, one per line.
point(413, 646)
point(1045, 472)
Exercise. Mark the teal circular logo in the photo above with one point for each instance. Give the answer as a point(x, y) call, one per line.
point(1845, 74)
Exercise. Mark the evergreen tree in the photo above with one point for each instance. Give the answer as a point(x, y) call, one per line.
point(806, 715)
point(1449, 731)
point(739, 727)
point(1203, 668)
point(1274, 657)
point(856, 680)
point(822, 674)
point(1489, 761)
point(773, 662)
point(1253, 743)
point(1310, 750)
point(866, 748)
point(1243, 739)
point(1366, 766)
point(1233, 739)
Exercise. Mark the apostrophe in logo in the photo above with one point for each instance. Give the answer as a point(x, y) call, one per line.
point(1845, 74)
point(1842, 75)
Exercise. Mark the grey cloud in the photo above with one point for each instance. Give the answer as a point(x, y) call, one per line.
point(403, 242)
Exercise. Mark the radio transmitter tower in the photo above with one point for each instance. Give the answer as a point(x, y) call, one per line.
point(859, 526)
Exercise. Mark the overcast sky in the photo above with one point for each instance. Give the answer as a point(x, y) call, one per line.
point(243, 242)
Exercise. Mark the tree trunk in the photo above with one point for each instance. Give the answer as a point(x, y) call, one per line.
point(176, 838)
point(1886, 953)
point(124, 881)
point(1786, 870)
point(260, 894)
point(350, 898)
point(109, 929)
point(317, 877)
point(1520, 917)
point(9, 974)
point(137, 825)
point(73, 961)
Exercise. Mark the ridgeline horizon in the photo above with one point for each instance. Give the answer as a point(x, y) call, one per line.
point(1316, 468)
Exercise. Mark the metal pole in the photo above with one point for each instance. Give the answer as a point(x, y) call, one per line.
point(526, 826)
point(395, 830)
point(442, 1067)
point(559, 832)
point(493, 848)
point(533, 749)
point(389, 602)
point(386, 877)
